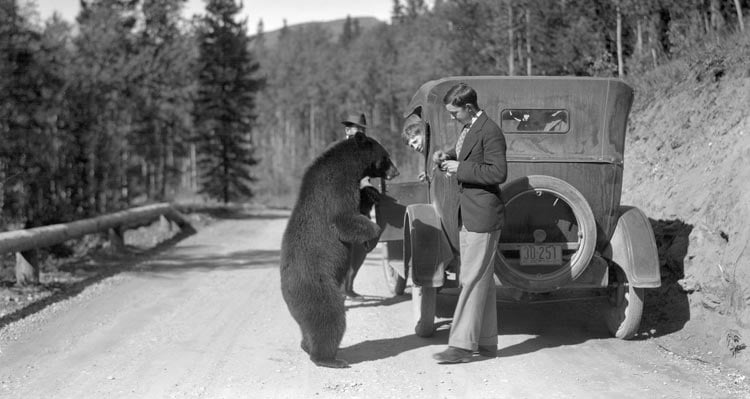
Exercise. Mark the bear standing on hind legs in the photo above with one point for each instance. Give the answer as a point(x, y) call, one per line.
point(314, 250)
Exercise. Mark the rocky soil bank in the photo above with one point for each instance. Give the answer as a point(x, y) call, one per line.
point(687, 165)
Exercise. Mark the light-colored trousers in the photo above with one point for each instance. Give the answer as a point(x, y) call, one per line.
point(475, 318)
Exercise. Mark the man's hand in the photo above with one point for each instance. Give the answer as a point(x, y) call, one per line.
point(450, 167)
point(439, 157)
point(365, 182)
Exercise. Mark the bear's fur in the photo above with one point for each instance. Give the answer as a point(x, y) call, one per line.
point(315, 247)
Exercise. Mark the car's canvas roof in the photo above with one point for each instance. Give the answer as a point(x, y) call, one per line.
point(598, 110)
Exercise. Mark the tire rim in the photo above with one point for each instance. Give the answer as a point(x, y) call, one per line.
point(527, 199)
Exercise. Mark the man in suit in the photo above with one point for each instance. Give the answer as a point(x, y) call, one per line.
point(478, 161)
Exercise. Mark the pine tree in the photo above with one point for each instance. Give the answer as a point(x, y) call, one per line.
point(224, 109)
point(397, 12)
point(356, 28)
point(346, 32)
point(164, 94)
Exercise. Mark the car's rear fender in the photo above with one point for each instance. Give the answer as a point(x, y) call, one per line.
point(426, 247)
point(633, 248)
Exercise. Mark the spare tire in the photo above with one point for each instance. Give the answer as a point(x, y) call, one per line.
point(549, 234)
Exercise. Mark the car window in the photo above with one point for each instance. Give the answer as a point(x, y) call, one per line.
point(534, 121)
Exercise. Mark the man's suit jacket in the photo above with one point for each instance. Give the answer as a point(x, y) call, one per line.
point(482, 168)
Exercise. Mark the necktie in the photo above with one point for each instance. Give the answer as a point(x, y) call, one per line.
point(461, 138)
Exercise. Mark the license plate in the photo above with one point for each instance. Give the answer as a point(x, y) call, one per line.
point(541, 255)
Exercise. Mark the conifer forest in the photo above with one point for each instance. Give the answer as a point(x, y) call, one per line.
point(133, 102)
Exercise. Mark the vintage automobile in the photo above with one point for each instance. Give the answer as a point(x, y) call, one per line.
point(566, 235)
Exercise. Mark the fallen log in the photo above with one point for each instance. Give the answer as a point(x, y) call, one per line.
point(21, 241)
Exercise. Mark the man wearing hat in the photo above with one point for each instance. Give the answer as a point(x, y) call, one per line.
point(354, 123)
point(369, 196)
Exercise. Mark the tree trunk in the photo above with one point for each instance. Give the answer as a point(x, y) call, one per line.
point(738, 7)
point(519, 49)
point(124, 184)
point(620, 69)
point(639, 37)
point(2, 185)
point(168, 163)
point(151, 170)
point(193, 168)
point(528, 41)
point(159, 168)
point(225, 174)
point(313, 143)
point(291, 142)
point(706, 23)
point(511, 47)
point(717, 20)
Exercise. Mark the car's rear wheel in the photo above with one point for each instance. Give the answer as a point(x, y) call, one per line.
point(423, 301)
point(396, 284)
point(549, 234)
point(623, 316)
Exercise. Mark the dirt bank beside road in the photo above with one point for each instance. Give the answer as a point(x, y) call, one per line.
point(687, 166)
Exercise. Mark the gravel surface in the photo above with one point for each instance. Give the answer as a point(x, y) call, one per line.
point(205, 319)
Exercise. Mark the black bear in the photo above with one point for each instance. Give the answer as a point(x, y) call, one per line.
point(325, 220)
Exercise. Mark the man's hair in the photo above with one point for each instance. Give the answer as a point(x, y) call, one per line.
point(411, 131)
point(461, 95)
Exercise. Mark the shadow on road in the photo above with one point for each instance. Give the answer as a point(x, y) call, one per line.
point(187, 260)
point(379, 349)
point(548, 325)
point(236, 212)
point(369, 301)
point(551, 325)
point(667, 309)
point(542, 342)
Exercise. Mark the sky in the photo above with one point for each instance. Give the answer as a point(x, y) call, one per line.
point(273, 12)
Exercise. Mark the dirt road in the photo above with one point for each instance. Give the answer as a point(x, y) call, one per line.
point(206, 320)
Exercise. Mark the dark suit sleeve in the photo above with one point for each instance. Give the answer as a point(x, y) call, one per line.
point(494, 169)
point(369, 196)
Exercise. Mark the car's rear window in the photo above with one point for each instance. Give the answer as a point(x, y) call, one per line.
point(534, 121)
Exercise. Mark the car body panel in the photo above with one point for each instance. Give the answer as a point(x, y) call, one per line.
point(633, 248)
point(588, 154)
point(429, 253)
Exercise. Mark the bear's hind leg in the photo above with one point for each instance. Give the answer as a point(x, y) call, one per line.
point(325, 340)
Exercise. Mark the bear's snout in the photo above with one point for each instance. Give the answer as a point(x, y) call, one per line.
point(391, 172)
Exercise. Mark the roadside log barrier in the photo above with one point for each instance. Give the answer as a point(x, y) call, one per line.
point(24, 243)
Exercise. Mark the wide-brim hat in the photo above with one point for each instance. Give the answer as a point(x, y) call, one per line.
point(355, 120)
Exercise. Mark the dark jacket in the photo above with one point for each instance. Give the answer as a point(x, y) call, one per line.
point(369, 196)
point(481, 170)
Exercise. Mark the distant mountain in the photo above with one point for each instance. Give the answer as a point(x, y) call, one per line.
point(335, 27)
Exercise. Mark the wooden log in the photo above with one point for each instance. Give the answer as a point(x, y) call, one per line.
point(117, 238)
point(180, 219)
point(27, 267)
point(23, 240)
